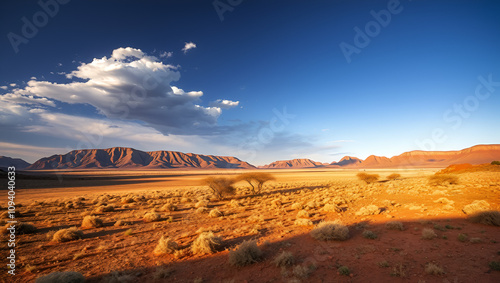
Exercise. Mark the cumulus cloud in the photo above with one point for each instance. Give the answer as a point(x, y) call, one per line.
point(224, 103)
point(129, 85)
point(187, 46)
point(4, 87)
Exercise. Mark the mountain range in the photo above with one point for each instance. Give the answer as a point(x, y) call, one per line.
point(129, 158)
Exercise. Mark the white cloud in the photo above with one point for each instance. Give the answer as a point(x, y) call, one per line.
point(4, 87)
point(26, 99)
point(166, 54)
point(224, 103)
point(12, 84)
point(187, 46)
point(33, 78)
point(129, 85)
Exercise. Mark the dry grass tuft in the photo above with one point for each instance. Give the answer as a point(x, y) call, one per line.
point(151, 216)
point(62, 277)
point(368, 210)
point(206, 243)
point(428, 234)
point(303, 222)
point(66, 235)
point(393, 176)
point(303, 214)
point(284, 259)
point(489, 217)
point(169, 207)
point(91, 221)
point(394, 225)
point(330, 230)
point(476, 206)
point(246, 253)
point(332, 208)
point(368, 178)
point(433, 269)
point(214, 213)
point(443, 180)
point(369, 235)
point(165, 246)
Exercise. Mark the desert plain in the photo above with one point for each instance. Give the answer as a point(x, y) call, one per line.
point(143, 226)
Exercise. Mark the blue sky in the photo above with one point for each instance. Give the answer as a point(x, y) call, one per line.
point(412, 86)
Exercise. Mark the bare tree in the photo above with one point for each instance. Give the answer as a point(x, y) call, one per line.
point(255, 180)
point(220, 186)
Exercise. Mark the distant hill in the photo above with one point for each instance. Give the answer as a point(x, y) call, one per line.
point(17, 162)
point(294, 163)
point(478, 154)
point(122, 157)
point(347, 160)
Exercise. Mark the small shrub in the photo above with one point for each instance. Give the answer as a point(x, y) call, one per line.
point(303, 222)
point(302, 271)
point(66, 235)
point(128, 232)
point(284, 259)
point(206, 243)
point(62, 277)
point(393, 176)
point(476, 206)
point(201, 210)
point(303, 214)
point(394, 225)
point(368, 178)
point(398, 271)
point(330, 230)
point(151, 216)
point(489, 217)
point(368, 210)
point(433, 269)
point(165, 246)
point(495, 162)
point(344, 270)
point(475, 240)
point(383, 263)
point(369, 234)
point(332, 208)
point(494, 265)
point(91, 221)
point(169, 207)
point(246, 253)
point(428, 234)
point(214, 213)
point(220, 186)
point(443, 179)
point(462, 237)
point(297, 206)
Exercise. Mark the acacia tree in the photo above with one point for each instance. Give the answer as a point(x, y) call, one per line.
point(220, 186)
point(255, 180)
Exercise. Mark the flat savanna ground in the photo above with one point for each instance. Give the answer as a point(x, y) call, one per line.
point(437, 242)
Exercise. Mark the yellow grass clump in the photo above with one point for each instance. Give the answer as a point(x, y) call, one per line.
point(246, 253)
point(165, 246)
point(66, 235)
point(91, 221)
point(206, 243)
point(330, 230)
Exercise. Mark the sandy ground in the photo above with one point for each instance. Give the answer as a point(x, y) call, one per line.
point(462, 249)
